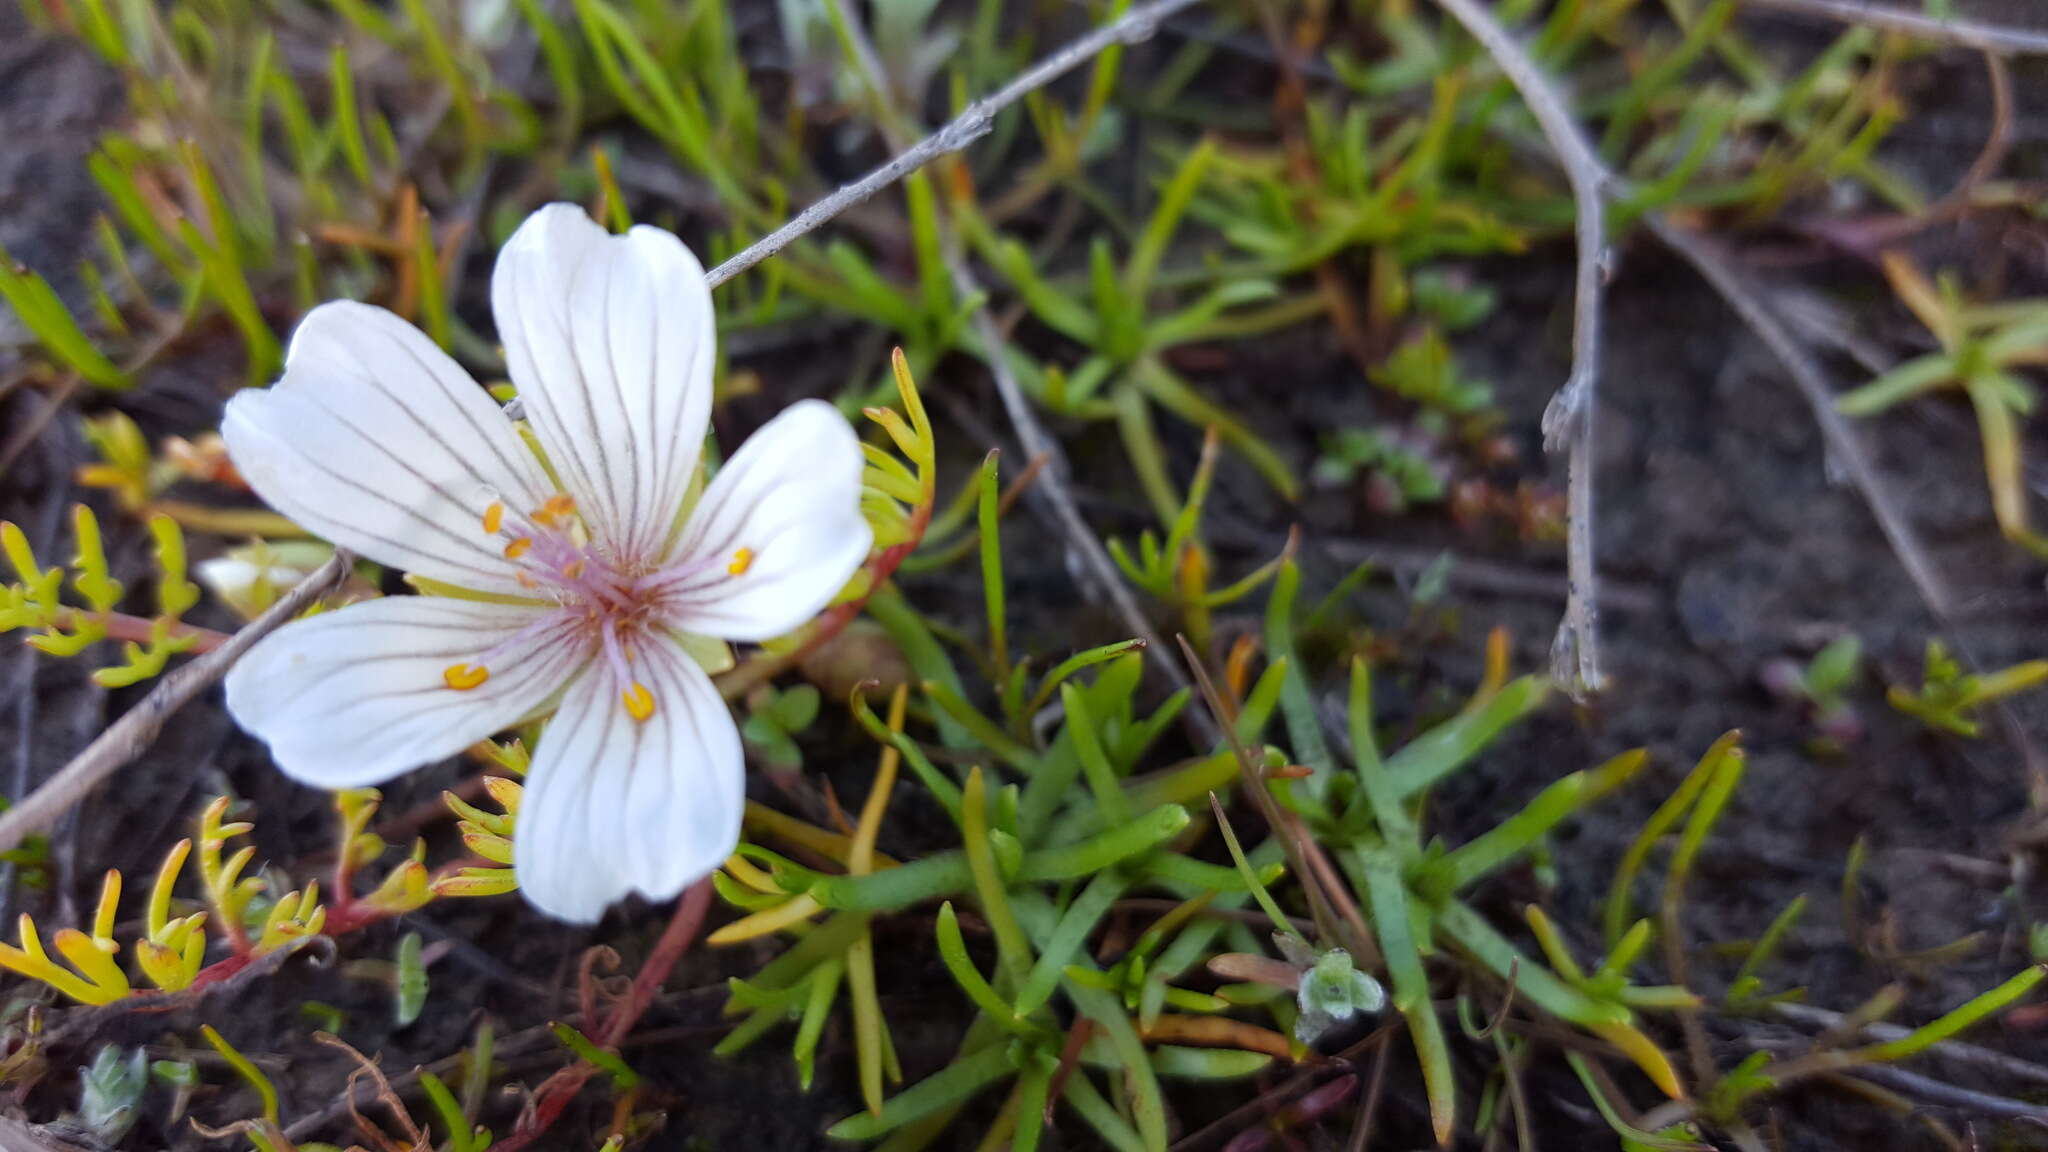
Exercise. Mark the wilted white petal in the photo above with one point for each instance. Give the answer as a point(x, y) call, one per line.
point(378, 441)
point(777, 533)
point(358, 695)
point(610, 341)
point(616, 805)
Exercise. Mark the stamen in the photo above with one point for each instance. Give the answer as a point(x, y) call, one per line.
point(518, 547)
point(555, 509)
point(741, 561)
point(494, 518)
point(463, 677)
point(639, 701)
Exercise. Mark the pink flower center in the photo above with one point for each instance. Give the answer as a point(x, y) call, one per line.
point(615, 605)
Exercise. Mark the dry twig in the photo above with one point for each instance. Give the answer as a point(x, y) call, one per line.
point(1846, 448)
point(1957, 1051)
point(1997, 143)
point(1928, 1090)
point(1050, 494)
point(127, 737)
point(1568, 422)
point(16, 1136)
point(1893, 18)
point(973, 122)
point(970, 125)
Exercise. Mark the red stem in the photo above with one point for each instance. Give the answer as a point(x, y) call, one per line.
point(548, 1105)
point(215, 973)
point(555, 1093)
point(675, 940)
point(122, 626)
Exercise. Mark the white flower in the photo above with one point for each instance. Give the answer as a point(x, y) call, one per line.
point(584, 582)
point(250, 578)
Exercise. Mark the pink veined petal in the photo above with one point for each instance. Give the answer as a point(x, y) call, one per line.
point(791, 498)
point(616, 805)
point(356, 696)
point(610, 341)
point(376, 440)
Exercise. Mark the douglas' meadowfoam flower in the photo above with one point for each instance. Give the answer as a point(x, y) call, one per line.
point(578, 578)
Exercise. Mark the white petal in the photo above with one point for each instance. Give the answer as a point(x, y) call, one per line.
point(356, 696)
point(616, 805)
point(791, 497)
point(610, 341)
point(378, 441)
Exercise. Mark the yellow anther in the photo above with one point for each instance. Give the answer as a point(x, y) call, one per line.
point(574, 569)
point(463, 677)
point(741, 561)
point(555, 509)
point(517, 548)
point(639, 701)
point(494, 518)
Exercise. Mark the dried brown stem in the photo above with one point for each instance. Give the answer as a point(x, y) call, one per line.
point(554, 1096)
point(16, 1136)
point(1712, 263)
point(1956, 1051)
point(1894, 18)
point(970, 125)
point(1568, 422)
point(133, 732)
point(535, 1039)
point(1050, 494)
point(1931, 1091)
point(122, 626)
point(1997, 142)
point(1280, 1095)
point(1828, 1064)
point(675, 940)
point(1054, 498)
point(1333, 921)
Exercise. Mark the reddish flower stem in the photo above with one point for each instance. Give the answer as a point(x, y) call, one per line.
point(675, 940)
point(554, 1094)
point(122, 626)
point(548, 1104)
